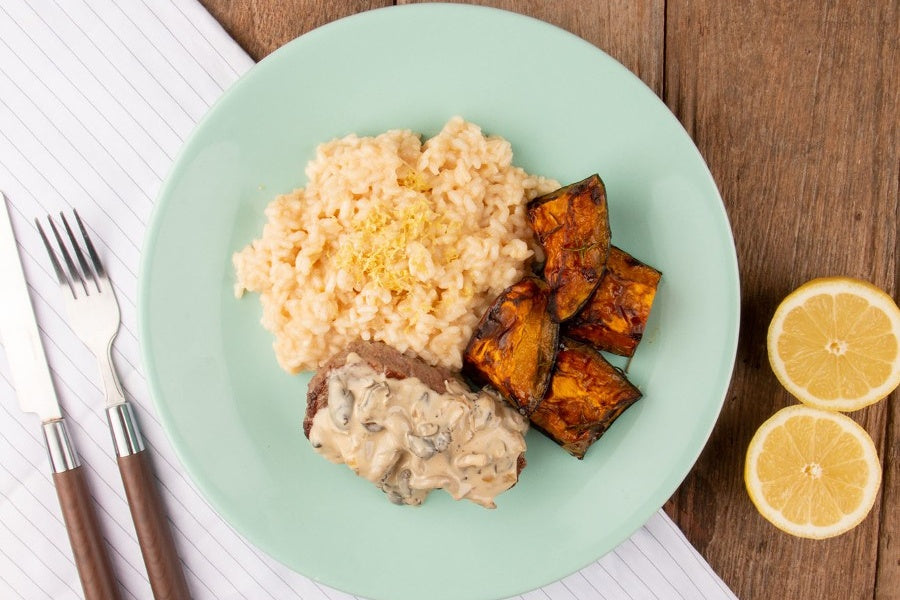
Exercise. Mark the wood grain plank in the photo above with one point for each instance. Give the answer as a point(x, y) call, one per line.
point(263, 26)
point(887, 575)
point(795, 108)
point(629, 31)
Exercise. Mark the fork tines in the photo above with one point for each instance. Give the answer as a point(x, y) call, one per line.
point(84, 271)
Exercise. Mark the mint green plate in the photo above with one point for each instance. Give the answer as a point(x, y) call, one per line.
point(233, 416)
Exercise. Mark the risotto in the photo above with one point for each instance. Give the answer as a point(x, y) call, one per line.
point(393, 240)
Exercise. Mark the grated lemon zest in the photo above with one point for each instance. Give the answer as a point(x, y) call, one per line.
point(415, 181)
point(376, 251)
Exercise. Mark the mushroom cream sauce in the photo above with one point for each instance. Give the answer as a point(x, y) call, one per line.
point(408, 439)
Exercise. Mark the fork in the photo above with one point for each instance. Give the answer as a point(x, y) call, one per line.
point(93, 314)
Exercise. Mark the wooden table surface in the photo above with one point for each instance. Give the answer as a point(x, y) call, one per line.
point(795, 107)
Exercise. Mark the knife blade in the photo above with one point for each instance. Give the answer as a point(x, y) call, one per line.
point(34, 389)
point(19, 332)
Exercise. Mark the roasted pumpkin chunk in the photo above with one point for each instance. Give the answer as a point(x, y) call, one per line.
point(615, 316)
point(514, 344)
point(586, 395)
point(572, 225)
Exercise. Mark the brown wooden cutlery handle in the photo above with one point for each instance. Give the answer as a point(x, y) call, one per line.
point(88, 547)
point(162, 562)
point(154, 534)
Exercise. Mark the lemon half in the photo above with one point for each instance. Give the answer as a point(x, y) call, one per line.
point(812, 473)
point(834, 343)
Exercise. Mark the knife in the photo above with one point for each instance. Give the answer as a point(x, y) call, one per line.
point(34, 388)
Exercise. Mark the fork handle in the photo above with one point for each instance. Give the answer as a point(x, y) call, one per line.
point(154, 535)
point(88, 548)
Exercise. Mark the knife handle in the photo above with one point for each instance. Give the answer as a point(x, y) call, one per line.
point(154, 535)
point(88, 547)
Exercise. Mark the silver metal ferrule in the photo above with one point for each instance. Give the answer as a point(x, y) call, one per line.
point(124, 429)
point(62, 454)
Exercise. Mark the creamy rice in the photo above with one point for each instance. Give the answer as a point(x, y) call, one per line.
point(393, 240)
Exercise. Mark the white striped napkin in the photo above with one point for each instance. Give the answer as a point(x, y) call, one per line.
point(95, 101)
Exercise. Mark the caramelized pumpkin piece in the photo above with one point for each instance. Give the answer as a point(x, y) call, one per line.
point(615, 316)
point(572, 225)
point(514, 344)
point(586, 395)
